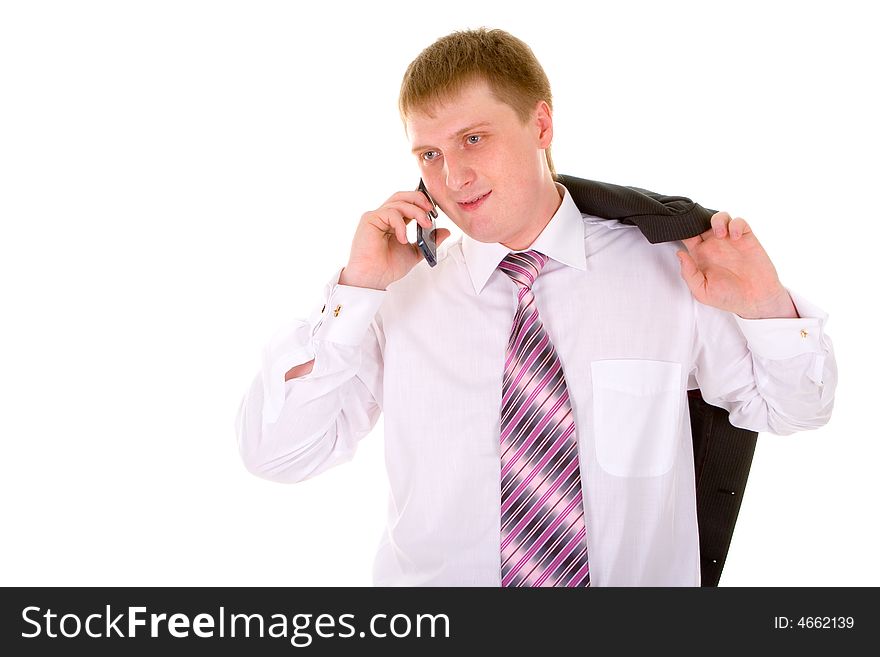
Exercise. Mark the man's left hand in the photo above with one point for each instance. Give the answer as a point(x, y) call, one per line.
point(726, 267)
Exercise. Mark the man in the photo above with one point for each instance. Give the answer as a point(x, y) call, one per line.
point(534, 382)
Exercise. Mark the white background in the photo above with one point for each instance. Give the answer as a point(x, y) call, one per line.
point(179, 179)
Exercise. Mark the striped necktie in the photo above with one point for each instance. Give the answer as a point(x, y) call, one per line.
point(543, 534)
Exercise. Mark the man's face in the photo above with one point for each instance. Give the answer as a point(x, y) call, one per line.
point(476, 146)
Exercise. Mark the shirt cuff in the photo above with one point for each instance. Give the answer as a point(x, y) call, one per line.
point(347, 313)
point(288, 347)
point(784, 337)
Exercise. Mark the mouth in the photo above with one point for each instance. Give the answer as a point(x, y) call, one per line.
point(475, 202)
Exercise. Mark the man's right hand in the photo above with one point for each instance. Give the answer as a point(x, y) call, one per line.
point(380, 253)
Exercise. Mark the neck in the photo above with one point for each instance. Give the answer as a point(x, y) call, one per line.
point(549, 201)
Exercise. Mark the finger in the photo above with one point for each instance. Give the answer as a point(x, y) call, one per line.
point(397, 223)
point(719, 224)
point(415, 198)
point(691, 275)
point(738, 227)
point(411, 211)
point(441, 234)
point(691, 242)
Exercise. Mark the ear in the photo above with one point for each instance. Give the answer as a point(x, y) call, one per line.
point(544, 124)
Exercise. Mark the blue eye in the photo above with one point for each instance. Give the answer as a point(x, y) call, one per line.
point(477, 137)
point(425, 156)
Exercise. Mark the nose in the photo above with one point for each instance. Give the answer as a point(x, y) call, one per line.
point(459, 173)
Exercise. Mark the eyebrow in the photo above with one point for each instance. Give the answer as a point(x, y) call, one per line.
point(460, 133)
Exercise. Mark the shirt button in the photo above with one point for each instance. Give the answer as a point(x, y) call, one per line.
point(336, 310)
point(804, 333)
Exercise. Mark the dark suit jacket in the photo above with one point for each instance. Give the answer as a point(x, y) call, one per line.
point(722, 452)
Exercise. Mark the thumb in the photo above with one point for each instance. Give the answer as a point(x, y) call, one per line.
point(440, 235)
point(692, 276)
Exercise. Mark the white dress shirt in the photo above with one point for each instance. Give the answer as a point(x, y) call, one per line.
point(429, 351)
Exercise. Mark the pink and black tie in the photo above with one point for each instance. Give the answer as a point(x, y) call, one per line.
point(543, 533)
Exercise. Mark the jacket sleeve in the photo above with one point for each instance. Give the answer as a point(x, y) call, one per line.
point(292, 430)
point(771, 375)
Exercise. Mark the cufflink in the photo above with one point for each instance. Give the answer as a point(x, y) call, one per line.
point(804, 333)
point(336, 310)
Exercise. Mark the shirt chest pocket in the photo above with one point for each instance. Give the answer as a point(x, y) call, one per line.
point(636, 419)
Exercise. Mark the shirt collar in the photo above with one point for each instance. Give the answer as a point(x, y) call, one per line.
point(562, 239)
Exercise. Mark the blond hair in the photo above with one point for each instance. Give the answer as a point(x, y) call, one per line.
point(443, 69)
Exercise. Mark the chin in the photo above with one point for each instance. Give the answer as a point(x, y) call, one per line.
point(479, 233)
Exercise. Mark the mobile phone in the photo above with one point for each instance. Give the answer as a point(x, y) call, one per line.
point(425, 237)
